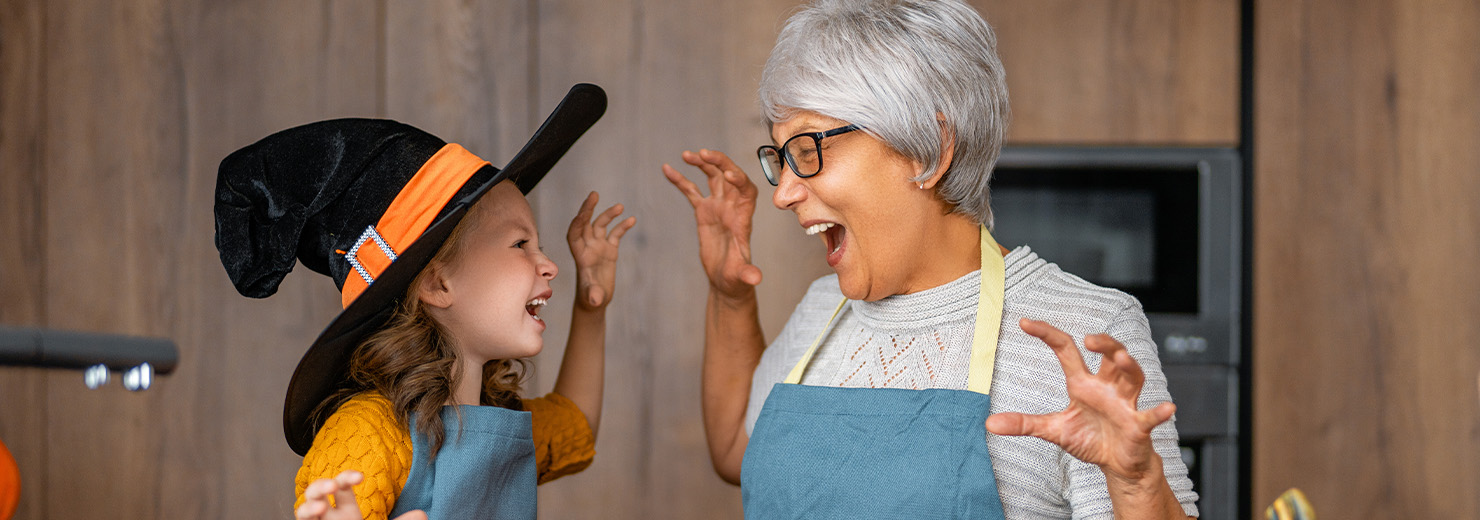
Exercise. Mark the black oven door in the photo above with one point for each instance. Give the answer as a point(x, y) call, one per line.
point(1159, 223)
point(1134, 229)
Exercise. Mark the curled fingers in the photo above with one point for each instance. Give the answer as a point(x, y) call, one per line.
point(1062, 344)
point(684, 185)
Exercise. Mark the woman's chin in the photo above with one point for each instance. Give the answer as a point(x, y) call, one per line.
point(852, 285)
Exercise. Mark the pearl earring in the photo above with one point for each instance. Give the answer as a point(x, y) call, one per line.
point(922, 185)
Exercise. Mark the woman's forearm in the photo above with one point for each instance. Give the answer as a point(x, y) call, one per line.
point(583, 368)
point(1149, 496)
point(732, 348)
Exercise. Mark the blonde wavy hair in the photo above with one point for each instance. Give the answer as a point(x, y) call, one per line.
point(410, 361)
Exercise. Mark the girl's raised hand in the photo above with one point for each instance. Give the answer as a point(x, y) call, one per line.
point(594, 248)
point(1102, 425)
point(316, 500)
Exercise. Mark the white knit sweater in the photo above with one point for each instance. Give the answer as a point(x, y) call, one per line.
point(923, 340)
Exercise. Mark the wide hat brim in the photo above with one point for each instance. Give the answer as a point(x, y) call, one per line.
point(325, 366)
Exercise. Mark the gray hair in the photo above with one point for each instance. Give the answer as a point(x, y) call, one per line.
point(891, 66)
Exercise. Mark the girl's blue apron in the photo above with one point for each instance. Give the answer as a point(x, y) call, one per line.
point(825, 452)
point(485, 468)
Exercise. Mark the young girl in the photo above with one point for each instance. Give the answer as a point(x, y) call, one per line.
point(416, 384)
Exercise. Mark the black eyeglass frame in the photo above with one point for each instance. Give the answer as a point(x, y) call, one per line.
point(775, 177)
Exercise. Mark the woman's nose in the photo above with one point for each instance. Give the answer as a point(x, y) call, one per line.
point(789, 191)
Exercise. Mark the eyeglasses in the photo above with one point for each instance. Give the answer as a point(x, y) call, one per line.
point(802, 152)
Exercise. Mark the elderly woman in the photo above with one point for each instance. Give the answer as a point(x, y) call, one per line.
point(874, 401)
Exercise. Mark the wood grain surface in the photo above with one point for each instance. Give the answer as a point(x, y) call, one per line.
point(23, 223)
point(142, 100)
point(1119, 71)
point(679, 77)
point(1365, 286)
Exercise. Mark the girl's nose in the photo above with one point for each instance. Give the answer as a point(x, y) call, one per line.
point(547, 269)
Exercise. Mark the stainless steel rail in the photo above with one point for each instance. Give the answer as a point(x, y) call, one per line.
point(47, 348)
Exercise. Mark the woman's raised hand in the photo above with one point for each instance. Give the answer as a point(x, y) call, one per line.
point(723, 218)
point(1101, 425)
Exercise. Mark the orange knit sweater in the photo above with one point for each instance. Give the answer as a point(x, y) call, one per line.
point(363, 435)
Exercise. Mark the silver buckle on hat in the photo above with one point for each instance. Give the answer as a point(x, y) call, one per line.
point(369, 234)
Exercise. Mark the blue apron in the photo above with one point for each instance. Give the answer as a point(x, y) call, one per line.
point(826, 452)
point(485, 468)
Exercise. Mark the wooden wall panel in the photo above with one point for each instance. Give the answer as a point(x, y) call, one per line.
point(1119, 71)
point(142, 102)
point(1365, 234)
point(461, 70)
point(320, 61)
point(679, 77)
point(112, 156)
point(22, 222)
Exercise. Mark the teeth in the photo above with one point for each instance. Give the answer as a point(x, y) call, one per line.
point(534, 307)
point(818, 228)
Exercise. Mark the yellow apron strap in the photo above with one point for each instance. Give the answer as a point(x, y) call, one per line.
point(795, 377)
point(988, 317)
point(988, 323)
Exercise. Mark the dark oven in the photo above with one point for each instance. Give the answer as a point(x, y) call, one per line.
point(1162, 224)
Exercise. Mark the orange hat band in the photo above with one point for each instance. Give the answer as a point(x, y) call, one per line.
point(408, 216)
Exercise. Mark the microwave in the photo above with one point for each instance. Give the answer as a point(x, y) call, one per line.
point(1164, 225)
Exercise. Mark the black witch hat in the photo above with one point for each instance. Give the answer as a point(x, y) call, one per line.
point(367, 202)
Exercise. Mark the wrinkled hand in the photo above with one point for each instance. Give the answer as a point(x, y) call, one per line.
point(1101, 426)
point(316, 500)
point(723, 218)
point(594, 248)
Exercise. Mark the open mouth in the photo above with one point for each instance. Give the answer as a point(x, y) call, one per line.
point(534, 306)
point(832, 236)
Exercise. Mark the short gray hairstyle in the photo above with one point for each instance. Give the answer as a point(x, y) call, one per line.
point(891, 66)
